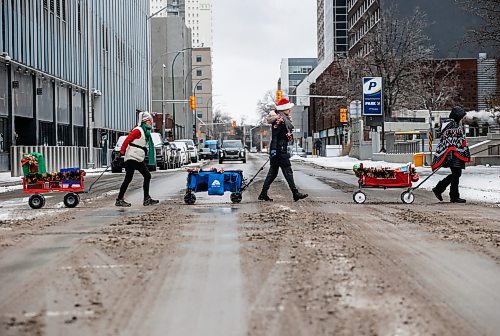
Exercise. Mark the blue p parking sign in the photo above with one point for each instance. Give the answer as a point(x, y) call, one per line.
point(372, 96)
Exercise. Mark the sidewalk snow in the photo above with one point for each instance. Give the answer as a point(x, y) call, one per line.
point(478, 183)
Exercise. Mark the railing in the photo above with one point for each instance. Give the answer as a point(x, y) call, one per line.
point(56, 157)
point(406, 147)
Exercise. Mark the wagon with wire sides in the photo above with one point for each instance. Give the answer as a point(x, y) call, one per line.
point(68, 180)
point(216, 182)
point(402, 177)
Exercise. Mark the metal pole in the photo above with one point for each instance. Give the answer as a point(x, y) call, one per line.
point(163, 125)
point(173, 92)
point(90, 102)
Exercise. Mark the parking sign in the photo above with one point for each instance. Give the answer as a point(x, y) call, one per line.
point(372, 96)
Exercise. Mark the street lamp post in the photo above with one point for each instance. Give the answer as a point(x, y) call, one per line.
point(163, 101)
point(173, 92)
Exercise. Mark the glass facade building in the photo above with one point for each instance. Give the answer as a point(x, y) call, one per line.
point(54, 52)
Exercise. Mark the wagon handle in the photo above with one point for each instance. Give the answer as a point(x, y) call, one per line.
point(251, 180)
point(413, 188)
point(105, 170)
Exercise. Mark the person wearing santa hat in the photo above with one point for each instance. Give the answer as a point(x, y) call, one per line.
point(281, 127)
point(135, 148)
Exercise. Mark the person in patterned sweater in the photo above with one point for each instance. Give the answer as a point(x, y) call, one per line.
point(452, 152)
point(281, 132)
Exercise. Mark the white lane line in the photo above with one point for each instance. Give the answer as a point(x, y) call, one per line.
point(98, 266)
point(280, 262)
point(61, 313)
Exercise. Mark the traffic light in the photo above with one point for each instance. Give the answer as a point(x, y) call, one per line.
point(192, 102)
point(234, 123)
point(279, 95)
point(343, 115)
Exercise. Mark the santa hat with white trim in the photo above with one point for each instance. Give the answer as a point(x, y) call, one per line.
point(284, 104)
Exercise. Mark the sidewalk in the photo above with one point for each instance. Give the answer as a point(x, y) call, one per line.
point(477, 184)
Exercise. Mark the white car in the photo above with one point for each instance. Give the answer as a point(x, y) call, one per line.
point(193, 151)
point(183, 151)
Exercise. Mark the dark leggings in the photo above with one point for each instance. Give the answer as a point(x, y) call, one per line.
point(451, 180)
point(130, 167)
point(273, 172)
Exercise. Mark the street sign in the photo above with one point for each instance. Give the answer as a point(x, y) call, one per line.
point(372, 96)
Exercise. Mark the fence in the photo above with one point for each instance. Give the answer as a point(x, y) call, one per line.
point(56, 157)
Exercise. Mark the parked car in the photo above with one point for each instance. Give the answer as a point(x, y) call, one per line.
point(173, 156)
point(232, 150)
point(192, 150)
point(117, 163)
point(298, 151)
point(206, 154)
point(182, 151)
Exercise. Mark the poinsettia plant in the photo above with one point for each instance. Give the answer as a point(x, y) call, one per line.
point(33, 178)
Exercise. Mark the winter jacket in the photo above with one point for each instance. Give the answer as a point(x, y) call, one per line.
point(452, 151)
point(135, 145)
point(280, 137)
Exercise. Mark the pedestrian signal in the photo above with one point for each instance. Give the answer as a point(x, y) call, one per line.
point(343, 115)
point(192, 102)
point(279, 95)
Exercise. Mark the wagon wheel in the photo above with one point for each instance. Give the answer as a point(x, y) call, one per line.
point(36, 201)
point(359, 197)
point(189, 198)
point(407, 197)
point(71, 200)
point(236, 197)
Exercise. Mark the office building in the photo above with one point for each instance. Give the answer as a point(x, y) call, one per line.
point(69, 69)
point(293, 71)
point(164, 8)
point(202, 89)
point(448, 23)
point(331, 29)
point(199, 19)
point(171, 76)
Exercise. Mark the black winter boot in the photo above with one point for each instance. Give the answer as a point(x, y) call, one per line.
point(264, 197)
point(298, 196)
point(457, 200)
point(437, 194)
point(122, 203)
point(150, 201)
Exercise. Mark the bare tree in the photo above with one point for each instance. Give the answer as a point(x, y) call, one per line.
point(396, 47)
point(435, 86)
point(266, 105)
point(489, 33)
point(221, 121)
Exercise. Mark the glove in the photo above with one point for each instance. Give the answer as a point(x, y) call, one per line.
point(119, 155)
point(272, 153)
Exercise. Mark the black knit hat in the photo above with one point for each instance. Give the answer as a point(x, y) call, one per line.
point(457, 113)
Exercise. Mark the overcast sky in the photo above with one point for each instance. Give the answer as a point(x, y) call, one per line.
point(250, 39)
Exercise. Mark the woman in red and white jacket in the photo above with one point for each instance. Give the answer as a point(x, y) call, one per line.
point(136, 146)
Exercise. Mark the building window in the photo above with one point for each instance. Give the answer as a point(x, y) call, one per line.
point(198, 59)
point(199, 87)
point(199, 73)
point(199, 100)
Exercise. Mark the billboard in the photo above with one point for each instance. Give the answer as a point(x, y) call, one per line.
point(372, 96)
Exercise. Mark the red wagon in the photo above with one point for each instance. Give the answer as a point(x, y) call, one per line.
point(386, 178)
point(38, 184)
